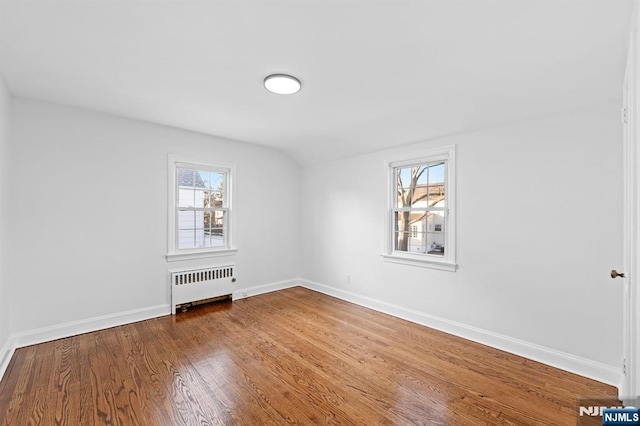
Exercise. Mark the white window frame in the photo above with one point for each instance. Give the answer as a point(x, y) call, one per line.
point(448, 261)
point(173, 253)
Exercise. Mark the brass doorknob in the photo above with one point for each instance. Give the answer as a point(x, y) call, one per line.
point(615, 274)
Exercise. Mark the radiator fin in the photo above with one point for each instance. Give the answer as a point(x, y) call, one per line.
point(189, 277)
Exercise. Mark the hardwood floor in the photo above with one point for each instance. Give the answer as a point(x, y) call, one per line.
point(294, 356)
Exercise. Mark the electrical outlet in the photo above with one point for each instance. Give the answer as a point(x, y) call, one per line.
point(244, 294)
point(347, 279)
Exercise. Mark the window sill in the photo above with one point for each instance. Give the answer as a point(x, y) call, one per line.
point(420, 260)
point(202, 254)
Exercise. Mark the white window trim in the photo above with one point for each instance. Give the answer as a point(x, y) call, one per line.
point(176, 255)
point(448, 261)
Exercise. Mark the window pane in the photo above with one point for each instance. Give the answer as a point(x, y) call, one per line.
point(214, 188)
point(422, 174)
point(417, 243)
point(435, 221)
point(436, 185)
point(401, 242)
point(214, 229)
point(186, 197)
point(207, 199)
point(435, 243)
point(217, 219)
point(189, 178)
point(218, 181)
point(403, 181)
point(186, 229)
point(405, 221)
point(190, 186)
point(403, 177)
point(206, 178)
point(207, 218)
point(191, 228)
point(199, 197)
point(411, 242)
point(435, 234)
point(216, 199)
point(184, 177)
point(410, 230)
point(436, 195)
point(412, 185)
point(186, 219)
point(436, 173)
point(214, 237)
point(413, 197)
point(403, 198)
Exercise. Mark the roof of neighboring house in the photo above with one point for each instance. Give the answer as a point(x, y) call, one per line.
point(186, 178)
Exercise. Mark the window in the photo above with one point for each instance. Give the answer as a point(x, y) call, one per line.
point(199, 210)
point(421, 225)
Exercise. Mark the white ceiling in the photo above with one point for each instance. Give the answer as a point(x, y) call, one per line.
point(375, 73)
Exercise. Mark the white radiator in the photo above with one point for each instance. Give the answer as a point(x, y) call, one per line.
point(199, 284)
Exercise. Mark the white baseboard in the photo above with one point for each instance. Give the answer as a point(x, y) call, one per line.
point(59, 331)
point(572, 363)
point(265, 288)
point(562, 360)
point(74, 328)
point(6, 352)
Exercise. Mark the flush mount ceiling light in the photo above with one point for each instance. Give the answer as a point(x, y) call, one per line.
point(282, 84)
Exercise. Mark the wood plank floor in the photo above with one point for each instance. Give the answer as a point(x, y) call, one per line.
point(293, 356)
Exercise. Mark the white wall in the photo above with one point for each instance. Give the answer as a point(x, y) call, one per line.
point(534, 254)
point(4, 228)
point(89, 213)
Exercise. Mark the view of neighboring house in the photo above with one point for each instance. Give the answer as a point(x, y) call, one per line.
point(426, 233)
point(426, 229)
point(200, 196)
point(421, 188)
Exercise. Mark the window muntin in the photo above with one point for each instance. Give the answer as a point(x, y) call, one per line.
point(420, 207)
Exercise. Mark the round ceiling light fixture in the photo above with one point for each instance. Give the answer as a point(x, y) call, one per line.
point(282, 84)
